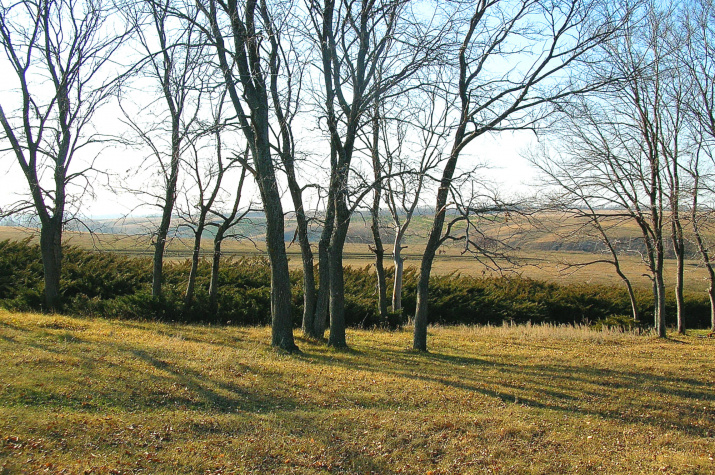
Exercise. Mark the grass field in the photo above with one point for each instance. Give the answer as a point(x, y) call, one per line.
point(552, 266)
point(99, 396)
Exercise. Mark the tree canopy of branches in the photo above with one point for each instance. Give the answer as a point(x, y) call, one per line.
point(61, 55)
point(546, 42)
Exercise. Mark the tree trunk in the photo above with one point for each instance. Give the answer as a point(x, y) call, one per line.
point(420, 336)
point(399, 272)
point(381, 280)
point(189, 295)
point(163, 231)
point(157, 273)
point(379, 251)
point(679, 249)
point(322, 307)
point(282, 318)
point(631, 294)
point(660, 323)
point(215, 264)
point(51, 251)
point(337, 283)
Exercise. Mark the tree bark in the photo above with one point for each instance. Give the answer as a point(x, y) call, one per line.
point(195, 255)
point(215, 265)
point(322, 307)
point(337, 283)
point(51, 251)
point(399, 273)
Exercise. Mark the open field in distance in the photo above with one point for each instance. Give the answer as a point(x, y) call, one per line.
point(121, 397)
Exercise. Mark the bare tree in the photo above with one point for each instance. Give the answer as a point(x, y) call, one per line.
point(172, 61)
point(287, 63)
point(697, 58)
point(573, 196)
point(356, 40)
point(543, 42)
point(61, 54)
point(207, 167)
point(244, 40)
point(223, 224)
point(427, 118)
point(624, 144)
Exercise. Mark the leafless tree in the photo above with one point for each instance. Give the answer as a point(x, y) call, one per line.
point(625, 143)
point(573, 198)
point(244, 39)
point(355, 41)
point(172, 61)
point(544, 42)
point(428, 119)
point(697, 58)
point(61, 56)
point(207, 169)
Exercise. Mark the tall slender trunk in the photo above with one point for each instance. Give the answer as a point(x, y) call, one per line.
point(399, 273)
point(167, 210)
point(322, 307)
point(51, 251)
point(215, 264)
point(195, 255)
point(379, 249)
point(337, 282)
point(306, 253)
point(433, 242)
point(679, 250)
point(704, 252)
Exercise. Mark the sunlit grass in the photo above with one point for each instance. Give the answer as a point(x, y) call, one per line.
point(123, 397)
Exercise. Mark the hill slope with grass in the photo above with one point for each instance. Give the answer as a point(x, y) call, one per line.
point(106, 396)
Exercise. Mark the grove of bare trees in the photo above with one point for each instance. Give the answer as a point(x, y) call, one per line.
point(332, 107)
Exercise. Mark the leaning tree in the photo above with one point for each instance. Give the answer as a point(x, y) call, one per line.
point(514, 61)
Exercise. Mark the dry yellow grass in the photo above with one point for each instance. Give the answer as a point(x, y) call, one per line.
point(99, 396)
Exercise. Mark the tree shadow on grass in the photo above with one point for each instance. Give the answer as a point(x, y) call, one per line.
point(605, 393)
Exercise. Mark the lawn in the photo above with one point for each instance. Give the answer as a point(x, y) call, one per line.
point(101, 396)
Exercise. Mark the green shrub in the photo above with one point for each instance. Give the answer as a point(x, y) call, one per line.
point(115, 286)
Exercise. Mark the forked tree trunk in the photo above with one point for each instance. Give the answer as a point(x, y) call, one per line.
point(322, 305)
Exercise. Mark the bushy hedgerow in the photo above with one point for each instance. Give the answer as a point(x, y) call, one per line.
point(115, 286)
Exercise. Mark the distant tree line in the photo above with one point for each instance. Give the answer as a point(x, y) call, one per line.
point(359, 106)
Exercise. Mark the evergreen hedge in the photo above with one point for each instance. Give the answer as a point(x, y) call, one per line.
point(115, 286)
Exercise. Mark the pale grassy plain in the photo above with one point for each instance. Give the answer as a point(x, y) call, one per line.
point(99, 396)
